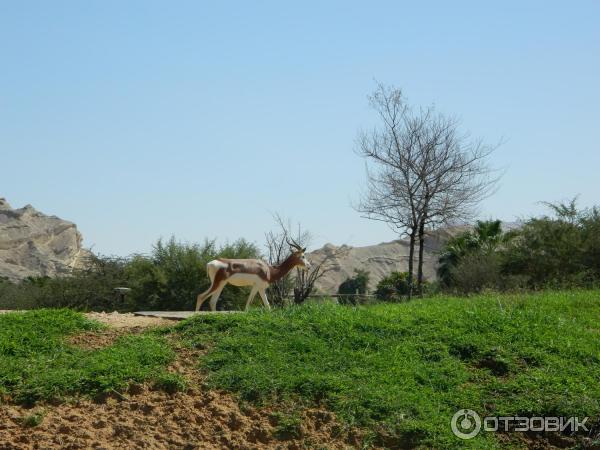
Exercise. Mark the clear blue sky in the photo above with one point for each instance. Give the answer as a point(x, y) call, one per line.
point(144, 119)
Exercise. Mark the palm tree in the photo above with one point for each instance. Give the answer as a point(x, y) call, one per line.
point(485, 237)
point(488, 235)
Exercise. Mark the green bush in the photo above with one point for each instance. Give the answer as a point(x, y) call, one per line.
point(352, 288)
point(393, 287)
point(560, 251)
point(288, 425)
point(464, 250)
point(476, 272)
point(33, 420)
point(170, 382)
point(14, 296)
point(91, 288)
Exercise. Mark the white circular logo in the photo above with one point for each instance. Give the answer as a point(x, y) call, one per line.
point(465, 424)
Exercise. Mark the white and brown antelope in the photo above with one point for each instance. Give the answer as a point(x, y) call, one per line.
point(249, 272)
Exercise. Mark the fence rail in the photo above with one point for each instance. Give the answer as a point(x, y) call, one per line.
point(337, 296)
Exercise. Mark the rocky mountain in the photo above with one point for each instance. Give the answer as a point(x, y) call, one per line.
point(34, 244)
point(379, 260)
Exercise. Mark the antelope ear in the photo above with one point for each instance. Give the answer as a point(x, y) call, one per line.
point(304, 249)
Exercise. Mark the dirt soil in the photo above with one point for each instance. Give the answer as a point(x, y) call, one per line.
point(155, 420)
point(127, 320)
point(144, 418)
point(120, 320)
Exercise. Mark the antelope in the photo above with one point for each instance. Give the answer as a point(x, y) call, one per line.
point(249, 272)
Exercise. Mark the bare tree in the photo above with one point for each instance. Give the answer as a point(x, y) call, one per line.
point(301, 283)
point(424, 172)
point(392, 150)
point(277, 251)
point(455, 177)
point(306, 279)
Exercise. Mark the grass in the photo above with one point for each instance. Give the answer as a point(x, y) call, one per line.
point(170, 382)
point(288, 424)
point(33, 420)
point(403, 370)
point(37, 364)
point(398, 370)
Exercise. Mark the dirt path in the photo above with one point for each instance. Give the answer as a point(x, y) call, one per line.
point(119, 320)
point(128, 320)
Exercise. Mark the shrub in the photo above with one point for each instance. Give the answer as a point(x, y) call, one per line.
point(353, 287)
point(12, 296)
point(560, 251)
point(86, 289)
point(485, 238)
point(476, 272)
point(33, 420)
point(288, 425)
point(392, 287)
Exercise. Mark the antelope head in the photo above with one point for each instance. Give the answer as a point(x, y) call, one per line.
point(299, 258)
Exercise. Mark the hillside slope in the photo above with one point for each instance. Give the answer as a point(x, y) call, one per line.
point(379, 260)
point(404, 370)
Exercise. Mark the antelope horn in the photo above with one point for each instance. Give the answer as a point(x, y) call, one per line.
point(293, 244)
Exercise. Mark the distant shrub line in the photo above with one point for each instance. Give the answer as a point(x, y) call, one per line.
point(558, 251)
point(561, 251)
point(168, 279)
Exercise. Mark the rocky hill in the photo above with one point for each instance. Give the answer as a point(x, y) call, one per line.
point(34, 244)
point(379, 260)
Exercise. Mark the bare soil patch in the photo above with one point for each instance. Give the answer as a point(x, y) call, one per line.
point(119, 320)
point(155, 420)
point(146, 418)
point(119, 324)
point(128, 320)
point(92, 340)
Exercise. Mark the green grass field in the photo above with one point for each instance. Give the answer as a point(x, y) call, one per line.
point(37, 364)
point(398, 370)
point(404, 370)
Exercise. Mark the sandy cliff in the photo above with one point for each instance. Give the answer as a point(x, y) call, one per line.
point(35, 244)
point(379, 260)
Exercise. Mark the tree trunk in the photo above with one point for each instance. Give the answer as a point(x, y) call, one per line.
point(303, 287)
point(411, 257)
point(421, 252)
